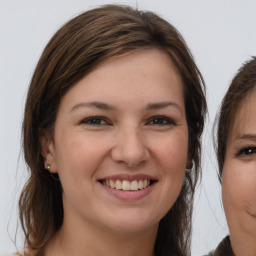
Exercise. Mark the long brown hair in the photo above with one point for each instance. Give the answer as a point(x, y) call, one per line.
point(79, 47)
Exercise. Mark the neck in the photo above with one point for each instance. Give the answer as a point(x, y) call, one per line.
point(86, 239)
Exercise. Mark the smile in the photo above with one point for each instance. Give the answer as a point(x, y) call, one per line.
point(126, 185)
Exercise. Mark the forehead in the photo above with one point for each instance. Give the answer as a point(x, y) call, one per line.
point(143, 75)
point(245, 119)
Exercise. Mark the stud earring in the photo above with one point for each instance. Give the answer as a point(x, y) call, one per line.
point(48, 167)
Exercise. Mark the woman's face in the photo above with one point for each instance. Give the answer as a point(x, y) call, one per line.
point(120, 143)
point(239, 171)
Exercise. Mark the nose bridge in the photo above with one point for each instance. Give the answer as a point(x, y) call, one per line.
point(130, 146)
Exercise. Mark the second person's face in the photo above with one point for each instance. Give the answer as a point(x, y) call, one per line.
point(120, 143)
point(239, 173)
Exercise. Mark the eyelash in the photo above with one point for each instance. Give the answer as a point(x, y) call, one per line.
point(163, 121)
point(155, 120)
point(95, 120)
point(247, 151)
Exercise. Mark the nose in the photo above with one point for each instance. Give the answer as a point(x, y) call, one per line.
point(130, 148)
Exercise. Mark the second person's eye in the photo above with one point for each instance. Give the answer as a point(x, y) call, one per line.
point(247, 151)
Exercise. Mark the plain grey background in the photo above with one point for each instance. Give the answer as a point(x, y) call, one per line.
point(221, 35)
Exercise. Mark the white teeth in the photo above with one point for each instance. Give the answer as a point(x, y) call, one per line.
point(118, 184)
point(134, 185)
point(141, 184)
point(126, 185)
point(112, 184)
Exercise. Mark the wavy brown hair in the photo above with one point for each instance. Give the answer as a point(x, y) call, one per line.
point(77, 48)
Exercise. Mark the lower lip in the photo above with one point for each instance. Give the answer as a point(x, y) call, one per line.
point(129, 195)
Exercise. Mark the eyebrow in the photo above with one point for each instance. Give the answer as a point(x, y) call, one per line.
point(105, 106)
point(246, 136)
point(161, 105)
point(95, 104)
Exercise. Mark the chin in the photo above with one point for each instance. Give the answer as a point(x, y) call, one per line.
point(130, 224)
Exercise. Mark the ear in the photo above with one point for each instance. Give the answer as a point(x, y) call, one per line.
point(48, 153)
point(189, 164)
point(189, 161)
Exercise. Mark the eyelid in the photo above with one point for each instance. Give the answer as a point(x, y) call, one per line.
point(169, 120)
point(91, 118)
point(251, 151)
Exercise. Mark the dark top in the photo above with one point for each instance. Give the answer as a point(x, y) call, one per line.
point(223, 249)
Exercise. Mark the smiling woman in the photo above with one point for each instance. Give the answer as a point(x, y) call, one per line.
point(113, 117)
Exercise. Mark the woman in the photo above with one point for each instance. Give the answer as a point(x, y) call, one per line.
point(113, 117)
point(236, 153)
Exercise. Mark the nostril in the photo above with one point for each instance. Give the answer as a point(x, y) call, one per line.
point(130, 150)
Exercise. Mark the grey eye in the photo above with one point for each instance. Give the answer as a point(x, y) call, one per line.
point(161, 120)
point(95, 121)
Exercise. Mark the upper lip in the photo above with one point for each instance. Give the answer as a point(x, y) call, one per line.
point(128, 177)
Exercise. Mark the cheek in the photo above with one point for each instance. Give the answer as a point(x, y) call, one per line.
point(172, 158)
point(79, 155)
point(173, 152)
point(239, 187)
point(77, 160)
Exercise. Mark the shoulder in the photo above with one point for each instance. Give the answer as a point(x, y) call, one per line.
point(209, 254)
point(223, 249)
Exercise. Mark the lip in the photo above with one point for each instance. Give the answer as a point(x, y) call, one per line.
point(129, 195)
point(129, 177)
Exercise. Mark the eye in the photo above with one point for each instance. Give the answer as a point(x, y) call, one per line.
point(95, 120)
point(160, 120)
point(247, 151)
